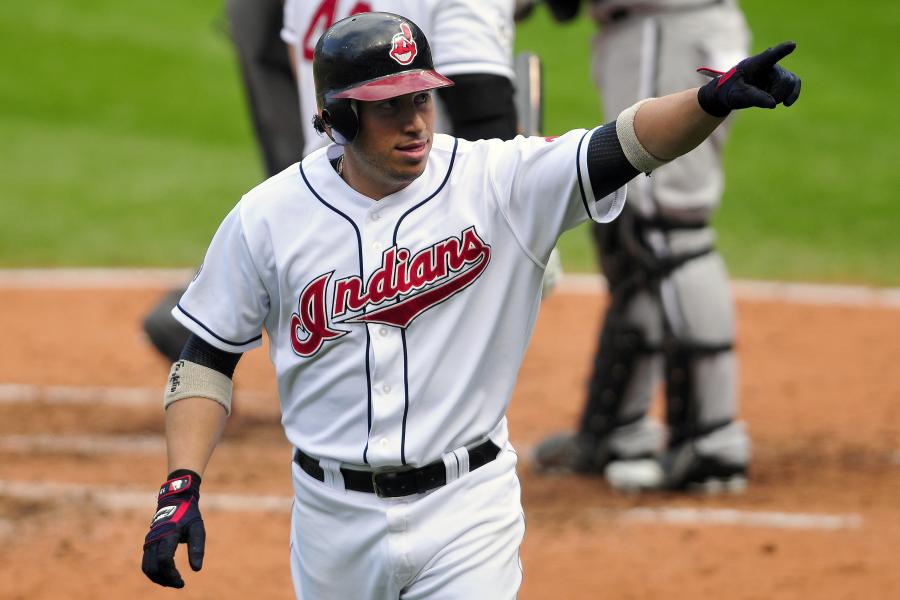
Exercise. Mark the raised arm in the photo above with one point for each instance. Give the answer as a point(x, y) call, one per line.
point(673, 125)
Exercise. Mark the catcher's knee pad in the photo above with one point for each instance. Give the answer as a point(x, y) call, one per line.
point(481, 106)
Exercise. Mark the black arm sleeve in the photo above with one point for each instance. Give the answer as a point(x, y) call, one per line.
point(198, 351)
point(608, 167)
point(563, 10)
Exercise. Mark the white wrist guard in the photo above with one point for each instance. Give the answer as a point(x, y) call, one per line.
point(634, 151)
point(190, 380)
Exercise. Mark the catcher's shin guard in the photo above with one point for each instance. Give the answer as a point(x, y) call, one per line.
point(628, 363)
point(699, 394)
point(706, 445)
point(625, 366)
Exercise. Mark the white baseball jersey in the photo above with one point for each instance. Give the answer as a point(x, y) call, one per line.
point(466, 36)
point(397, 326)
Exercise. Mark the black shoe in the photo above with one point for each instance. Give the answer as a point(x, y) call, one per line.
point(687, 470)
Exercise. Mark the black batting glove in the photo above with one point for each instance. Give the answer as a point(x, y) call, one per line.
point(755, 81)
point(177, 521)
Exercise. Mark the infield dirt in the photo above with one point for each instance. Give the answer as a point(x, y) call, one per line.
point(819, 391)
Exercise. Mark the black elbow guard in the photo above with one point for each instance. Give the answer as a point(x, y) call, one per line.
point(608, 167)
point(196, 350)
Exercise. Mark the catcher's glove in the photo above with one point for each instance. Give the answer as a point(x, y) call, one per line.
point(177, 520)
point(755, 81)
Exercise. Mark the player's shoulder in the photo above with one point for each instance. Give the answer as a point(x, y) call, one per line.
point(483, 148)
point(283, 192)
point(290, 184)
point(274, 188)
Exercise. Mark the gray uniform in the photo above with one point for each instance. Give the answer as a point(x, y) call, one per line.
point(671, 310)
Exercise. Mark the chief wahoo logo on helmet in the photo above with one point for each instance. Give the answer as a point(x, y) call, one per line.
point(403, 49)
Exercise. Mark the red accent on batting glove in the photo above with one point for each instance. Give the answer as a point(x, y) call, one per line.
point(177, 521)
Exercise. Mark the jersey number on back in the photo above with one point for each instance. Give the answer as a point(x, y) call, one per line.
point(322, 19)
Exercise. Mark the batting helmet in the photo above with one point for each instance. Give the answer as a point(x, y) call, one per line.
point(370, 57)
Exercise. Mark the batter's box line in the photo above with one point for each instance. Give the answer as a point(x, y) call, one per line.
point(116, 498)
point(92, 444)
point(14, 393)
point(743, 518)
point(134, 499)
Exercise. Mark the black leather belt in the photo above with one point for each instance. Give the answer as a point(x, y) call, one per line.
point(393, 484)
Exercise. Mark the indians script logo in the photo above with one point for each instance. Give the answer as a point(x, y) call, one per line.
point(401, 289)
point(403, 48)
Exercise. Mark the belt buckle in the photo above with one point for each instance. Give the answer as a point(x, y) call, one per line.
point(389, 474)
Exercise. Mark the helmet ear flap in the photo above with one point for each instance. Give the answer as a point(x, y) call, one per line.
point(340, 115)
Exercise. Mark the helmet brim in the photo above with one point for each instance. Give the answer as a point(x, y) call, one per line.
point(394, 85)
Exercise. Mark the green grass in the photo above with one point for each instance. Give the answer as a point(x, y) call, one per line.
point(811, 191)
point(124, 137)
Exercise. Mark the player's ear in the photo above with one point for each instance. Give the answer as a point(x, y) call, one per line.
point(338, 119)
point(322, 124)
point(319, 124)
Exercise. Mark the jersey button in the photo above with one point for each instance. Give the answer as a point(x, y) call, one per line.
point(376, 216)
point(386, 388)
point(377, 246)
point(383, 332)
point(384, 442)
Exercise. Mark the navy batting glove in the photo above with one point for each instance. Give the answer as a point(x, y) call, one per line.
point(177, 521)
point(755, 81)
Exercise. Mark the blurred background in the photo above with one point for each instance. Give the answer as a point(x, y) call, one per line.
point(124, 137)
point(124, 140)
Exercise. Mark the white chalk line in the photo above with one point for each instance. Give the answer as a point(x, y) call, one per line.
point(83, 444)
point(67, 279)
point(18, 393)
point(131, 499)
point(570, 284)
point(753, 519)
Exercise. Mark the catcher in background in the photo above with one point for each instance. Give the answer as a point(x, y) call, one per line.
point(671, 314)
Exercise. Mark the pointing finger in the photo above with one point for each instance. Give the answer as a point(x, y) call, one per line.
point(772, 55)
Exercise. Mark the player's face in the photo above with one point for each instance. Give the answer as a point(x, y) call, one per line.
point(393, 144)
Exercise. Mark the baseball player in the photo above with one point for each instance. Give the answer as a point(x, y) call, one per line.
point(670, 310)
point(397, 274)
point(472, 44)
